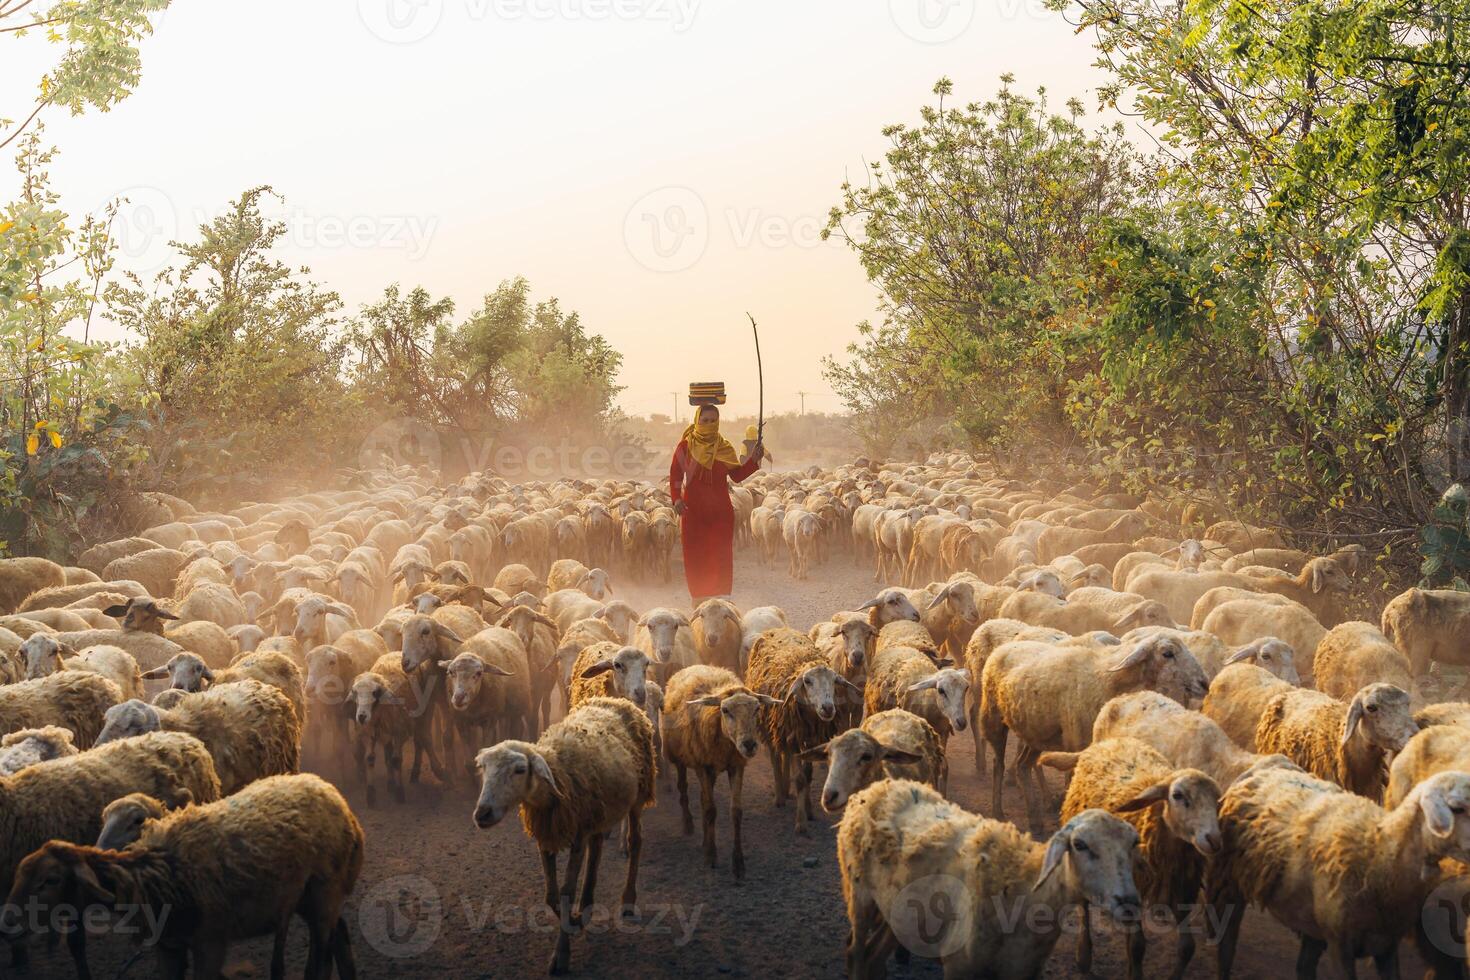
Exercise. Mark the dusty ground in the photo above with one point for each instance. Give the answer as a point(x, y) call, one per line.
point(440, 898)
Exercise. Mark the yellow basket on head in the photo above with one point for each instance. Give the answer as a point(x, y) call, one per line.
point(707, 393)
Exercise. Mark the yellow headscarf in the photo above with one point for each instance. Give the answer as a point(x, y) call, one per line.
point(707, 445)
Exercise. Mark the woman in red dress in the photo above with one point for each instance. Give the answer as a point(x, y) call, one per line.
point(704, 462)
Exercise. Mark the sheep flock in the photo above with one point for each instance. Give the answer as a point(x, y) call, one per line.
point(1198, 718)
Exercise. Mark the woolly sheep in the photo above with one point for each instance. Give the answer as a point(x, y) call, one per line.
point(1432, 750)
point(1243, 621)
point(607, 670)
point(716, 629)
point(586, 773)
point(1176, 815)
point(1348, 744)
point(65, 595)
point(70, 699)
point(45, 656)
point(97, 557)
point(32, 745)
point(901, 842)
point(893, 744)
point(786, 666)
point(755, 622)
point(156, 570)
point(144, 615)
point(250, 729)
point(63, 799)
point(907, 678)
point(1239, 694)
point(1428, 626)
point(711, 742)
point(1353, 655)
point(389, 710)
point(1342, 872)
point(665, 635)
point(223, 871)
point(1050, 696)
point(189, 673)
point(21, 577)
point(1188, 739)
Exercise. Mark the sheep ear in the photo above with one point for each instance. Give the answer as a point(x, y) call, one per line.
point(444, 664)
point(939, 599)
point(157, 673)
point(1056, 850)
point(927, 684)
point(1128, 618)
point(540, 767)
point(496, 669)
point(601, 667)
point(544, 621)
point(88, 878)
point(846, 683)
point(1246, 652)
point(1156, 793)
point(901, 757)
point(816, 753)
point(65, 649)
point(208, 675)
point(445, 633)
point(769, 701)
point(1354, 717)
point(870, 604)
point(163, 613)
point(116, 612)
point(1060, 761)
point(708, 701)
point(338, 609)
point(1139, 654)
point(1319, 579)
point(1437, 814)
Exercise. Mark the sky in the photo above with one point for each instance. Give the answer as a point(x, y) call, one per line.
point(660, 166)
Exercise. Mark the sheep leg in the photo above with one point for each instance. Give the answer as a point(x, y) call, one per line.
point(803, 795)
point(862, 918)
point(684, 798)
point(209, 958)
point(736, 777)
point(778, 774)
point(548, 870)
point(707, 805)
point(1137, 947)
point(561, 958)
point(589, 880)
point(1025, 761)
point(368, 774)
point(393, 762)
point(635, 848)
point(342, 950)
point(997, 740)
point(1183, 950)
point(76, 944)
point(1309, 953)
point(977, 735)
point(278, 947)
point(1084, 939)
point(173, 963)
point(1227, 909)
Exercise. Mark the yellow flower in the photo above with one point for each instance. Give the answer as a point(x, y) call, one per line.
point(33, 443)
point(6, 226)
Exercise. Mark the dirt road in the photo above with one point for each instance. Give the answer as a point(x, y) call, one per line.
point(439, 898)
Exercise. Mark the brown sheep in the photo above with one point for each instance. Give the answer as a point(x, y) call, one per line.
point(21, 577)
point(787, 666)
point(586, 774)
point(1348, 744)
point(712, 742)
point(223, 871)
point(1353, 655)
point(71, 699)
point(893, 744)
point(250, 729)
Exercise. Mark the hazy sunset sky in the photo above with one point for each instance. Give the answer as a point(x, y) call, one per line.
point(661, 166)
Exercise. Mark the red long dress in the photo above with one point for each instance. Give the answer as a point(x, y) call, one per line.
point(708, 524)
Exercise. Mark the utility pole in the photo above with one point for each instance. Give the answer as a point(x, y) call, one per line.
point(676, 405)
point(803, 395)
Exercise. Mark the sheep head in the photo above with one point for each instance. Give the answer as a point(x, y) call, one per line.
point(855, 760)
point(740, 716)
point(123, 820)
point(950, 686)
point(465, 674)
point(512, 773)
point(1380, 714)
point(186, 672)
point(1191, 808)
point(128, 719)
point(629, 670)
point(1094, 853)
